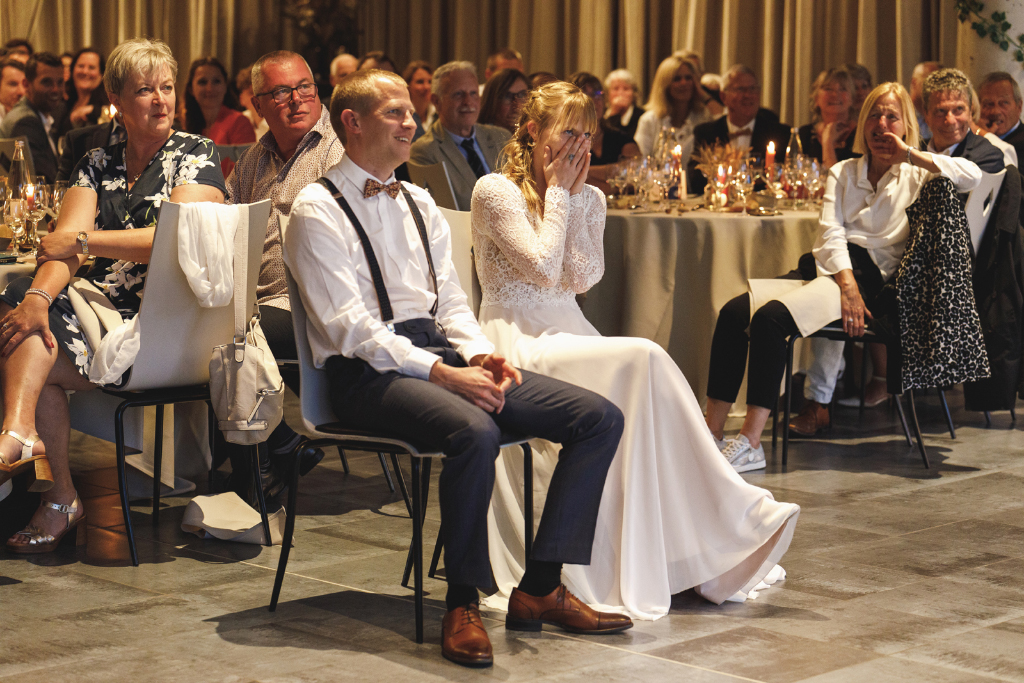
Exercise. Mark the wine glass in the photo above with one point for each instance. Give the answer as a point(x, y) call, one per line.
point(60, 187)
point(14, 216)
point(37, 200)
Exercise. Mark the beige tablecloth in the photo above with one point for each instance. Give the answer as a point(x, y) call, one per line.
point(666, 277)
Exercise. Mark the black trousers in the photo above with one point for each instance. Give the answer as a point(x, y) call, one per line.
point(772, 325)
point(587, 425)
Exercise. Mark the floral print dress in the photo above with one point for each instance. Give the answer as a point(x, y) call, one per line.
point(185, 159)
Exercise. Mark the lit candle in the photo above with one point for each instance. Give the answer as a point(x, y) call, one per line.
point(30, 196)
point(769, 160)
point(721, 174)
point(113, 111)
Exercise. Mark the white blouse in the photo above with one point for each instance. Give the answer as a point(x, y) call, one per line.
point(649, 125)
point(853, 212)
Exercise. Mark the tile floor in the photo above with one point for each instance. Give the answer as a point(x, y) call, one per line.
point(896, 573)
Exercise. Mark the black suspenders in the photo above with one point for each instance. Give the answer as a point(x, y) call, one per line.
point(386, 313)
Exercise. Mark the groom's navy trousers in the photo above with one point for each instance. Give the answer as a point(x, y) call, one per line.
point(586, 425)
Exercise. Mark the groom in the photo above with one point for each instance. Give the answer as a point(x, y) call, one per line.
point(404, 355)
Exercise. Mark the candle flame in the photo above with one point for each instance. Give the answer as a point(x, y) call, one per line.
point(771, 147)
point(113, 111)
point(678, 149)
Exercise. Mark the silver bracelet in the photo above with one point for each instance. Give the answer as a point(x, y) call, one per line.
point(45, 295)
point(910, 159)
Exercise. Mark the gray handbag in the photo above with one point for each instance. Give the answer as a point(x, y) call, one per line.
point(246, 388)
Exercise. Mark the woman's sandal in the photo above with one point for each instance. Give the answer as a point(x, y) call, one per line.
point(41, 542)
point(36, 466)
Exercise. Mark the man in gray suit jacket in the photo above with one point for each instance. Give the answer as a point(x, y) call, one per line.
point(469, 150)
point(33, 117)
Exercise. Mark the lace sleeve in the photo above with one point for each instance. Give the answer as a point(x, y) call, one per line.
point(499, 212)
point(584, 240)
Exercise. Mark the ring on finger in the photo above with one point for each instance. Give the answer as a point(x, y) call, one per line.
point(571, 157)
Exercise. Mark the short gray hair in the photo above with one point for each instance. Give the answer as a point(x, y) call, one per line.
point(1002, 77)
point(446, 71)
point(947, 80)
point(734, 72)
point(258, 81)
point(137, 56)
point(627, 76)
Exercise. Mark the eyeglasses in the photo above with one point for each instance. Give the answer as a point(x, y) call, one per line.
point(749, 90)
point(516, 97)
point(283, 94)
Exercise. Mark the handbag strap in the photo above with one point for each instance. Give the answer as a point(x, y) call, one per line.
point(241, 274)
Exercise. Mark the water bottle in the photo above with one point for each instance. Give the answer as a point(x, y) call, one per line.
point(794, 146)
point(17, 175)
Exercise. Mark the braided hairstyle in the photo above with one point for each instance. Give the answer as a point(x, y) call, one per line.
point(554, 104)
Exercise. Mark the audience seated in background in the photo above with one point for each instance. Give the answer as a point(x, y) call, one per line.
point(607, 145)
point(947, 100)
point(18, 48)
point(503, 59)
point(830, 134)
point(243, 84)
point(862, 84)
point(211, 107)
point(1009, 153)
point(431, 376)
point(43, 347)
point(469, 149)
point(78, 142)
point(675, 103)
point(84, 93)
point(299, 148)
point(917, 78)
point(33, 115)
point(419, 75)
point(622, 94)
point(342, 66)
point(502, 99)
point(1001, 105)
point(12, 84)
point(746, 124)
point(539, 78)
point(376, 60)
point(712, 101)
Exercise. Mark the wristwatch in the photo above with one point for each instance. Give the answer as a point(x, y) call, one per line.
point(83, 239)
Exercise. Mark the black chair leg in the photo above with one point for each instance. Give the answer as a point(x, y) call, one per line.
point(424, 490)
point(436, 557)
point(344, 461)
point(864, 355)
point(122, 477)
point(917, 428)
point(401, 483)
point(387, 472)
point(775, 425)
point(789, 399)
point(903, 421)
point(417, 548)
point(289, 531)
point(158, 462)
point(211, 427)
point(945, 409)
point(1013, 415)
point(257, 481)
point(988, 418)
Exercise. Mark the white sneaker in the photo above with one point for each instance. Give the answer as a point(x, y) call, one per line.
point(742, 456)
point(721, 443)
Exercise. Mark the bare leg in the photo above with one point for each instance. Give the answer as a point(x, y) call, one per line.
point(22, 376)
point(717, 413)
point(877, 388)
point(754, 422)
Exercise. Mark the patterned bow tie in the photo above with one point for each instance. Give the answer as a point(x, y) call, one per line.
point(741, 132)
point(373, 187)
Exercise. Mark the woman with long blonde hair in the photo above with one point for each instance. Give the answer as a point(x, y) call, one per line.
point(674, 515)
point(675, 102)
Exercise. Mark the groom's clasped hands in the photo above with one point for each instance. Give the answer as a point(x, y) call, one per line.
point(483, 383)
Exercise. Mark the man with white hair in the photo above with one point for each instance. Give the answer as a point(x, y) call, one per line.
point(342, 66)
point(469, 150)
point(917, 78)
point(1001, 106)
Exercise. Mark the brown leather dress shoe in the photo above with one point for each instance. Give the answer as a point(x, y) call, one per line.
point(563, 609)
point(813, 417)
point(464, 639)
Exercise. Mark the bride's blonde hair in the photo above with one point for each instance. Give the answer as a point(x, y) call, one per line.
point(554, 104)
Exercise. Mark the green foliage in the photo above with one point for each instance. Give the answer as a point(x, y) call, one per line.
point(996, 28)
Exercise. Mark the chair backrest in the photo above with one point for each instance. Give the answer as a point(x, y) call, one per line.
point(461, 224)
point(435, 180)
point(7, 153)
point(177, 334)
point(980, 203)
point(315, 397)
point(232, 151)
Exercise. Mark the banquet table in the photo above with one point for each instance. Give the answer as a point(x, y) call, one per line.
point(666, 277)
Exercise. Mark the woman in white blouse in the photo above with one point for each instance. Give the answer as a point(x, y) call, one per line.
point(673, 514)
point(675, 102)
point(864, 232)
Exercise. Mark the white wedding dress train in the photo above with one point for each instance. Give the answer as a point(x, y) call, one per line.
point(674, 514)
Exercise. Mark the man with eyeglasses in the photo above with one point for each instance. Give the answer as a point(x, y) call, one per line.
point(299, 147)
point(468, 149)
point(745, 123)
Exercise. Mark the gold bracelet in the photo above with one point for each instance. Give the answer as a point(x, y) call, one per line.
point(40, 292)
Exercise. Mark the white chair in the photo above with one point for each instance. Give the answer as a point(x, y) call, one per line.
point(7, 154)
point(233, 152)
point(320, 420)
point(461, 224)
point(980, 204)
point(177, 338)
point(435, 180)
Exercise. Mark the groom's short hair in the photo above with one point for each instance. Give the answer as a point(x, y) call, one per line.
point(358, 91)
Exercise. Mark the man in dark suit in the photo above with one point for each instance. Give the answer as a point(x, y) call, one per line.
point(79, 141)
point(1001, 106)
point(947, 101)
point(33, 117)
point(746, 123)
point(469, 150)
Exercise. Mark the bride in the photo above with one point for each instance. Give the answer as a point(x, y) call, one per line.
point(674, 514)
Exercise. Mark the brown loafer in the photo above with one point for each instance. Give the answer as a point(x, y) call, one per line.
point(813, 418)
point(563, 609)
point(464, 639)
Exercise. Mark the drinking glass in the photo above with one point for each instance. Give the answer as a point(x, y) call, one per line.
point(36, 209)
point(14, 216)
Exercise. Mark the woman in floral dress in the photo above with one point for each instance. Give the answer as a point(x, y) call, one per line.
point(110, 212)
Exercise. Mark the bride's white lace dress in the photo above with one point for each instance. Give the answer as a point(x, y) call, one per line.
point(674, 514)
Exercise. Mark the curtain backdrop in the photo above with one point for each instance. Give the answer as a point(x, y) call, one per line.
point(787, 42)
